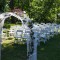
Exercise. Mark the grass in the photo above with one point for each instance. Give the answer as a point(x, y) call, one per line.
point(7, 41)
point(48, 51)
point(13, 52)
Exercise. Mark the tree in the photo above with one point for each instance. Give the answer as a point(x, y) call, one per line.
point(11, 4)
point(2, 5)
point(38, 10)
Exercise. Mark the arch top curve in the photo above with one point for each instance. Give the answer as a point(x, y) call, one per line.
point(4, 16)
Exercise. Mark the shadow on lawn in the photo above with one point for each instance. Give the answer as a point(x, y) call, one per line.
point(13, 52)
point(50, 50)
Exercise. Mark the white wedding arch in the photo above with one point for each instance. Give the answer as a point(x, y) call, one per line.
point(3, 17)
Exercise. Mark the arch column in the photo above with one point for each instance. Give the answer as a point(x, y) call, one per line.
point(1, 26)
point(0, 40)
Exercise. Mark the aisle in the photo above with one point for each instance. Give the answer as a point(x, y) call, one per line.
point(50, 50)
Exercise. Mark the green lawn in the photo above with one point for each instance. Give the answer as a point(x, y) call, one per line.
point(13, 52)
point(48, 51)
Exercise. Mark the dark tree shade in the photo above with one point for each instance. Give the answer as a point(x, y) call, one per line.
point(2, 5)
point(11, 4)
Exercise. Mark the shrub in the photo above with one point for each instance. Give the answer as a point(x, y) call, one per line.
point(6, 25)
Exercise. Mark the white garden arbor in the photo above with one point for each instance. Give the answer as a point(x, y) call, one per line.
point(31, 48)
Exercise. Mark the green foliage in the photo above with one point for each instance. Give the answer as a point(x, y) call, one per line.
point(10, 38)
point(6, 26)
point(12, 21)
point(2, 5)
point(38, 10)
point(11, 4)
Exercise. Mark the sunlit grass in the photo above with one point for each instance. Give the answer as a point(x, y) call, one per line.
point(7, 41)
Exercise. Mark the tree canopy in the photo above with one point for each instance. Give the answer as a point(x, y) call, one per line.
point(38, 10)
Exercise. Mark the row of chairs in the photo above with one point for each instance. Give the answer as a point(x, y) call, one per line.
point(42, 32)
